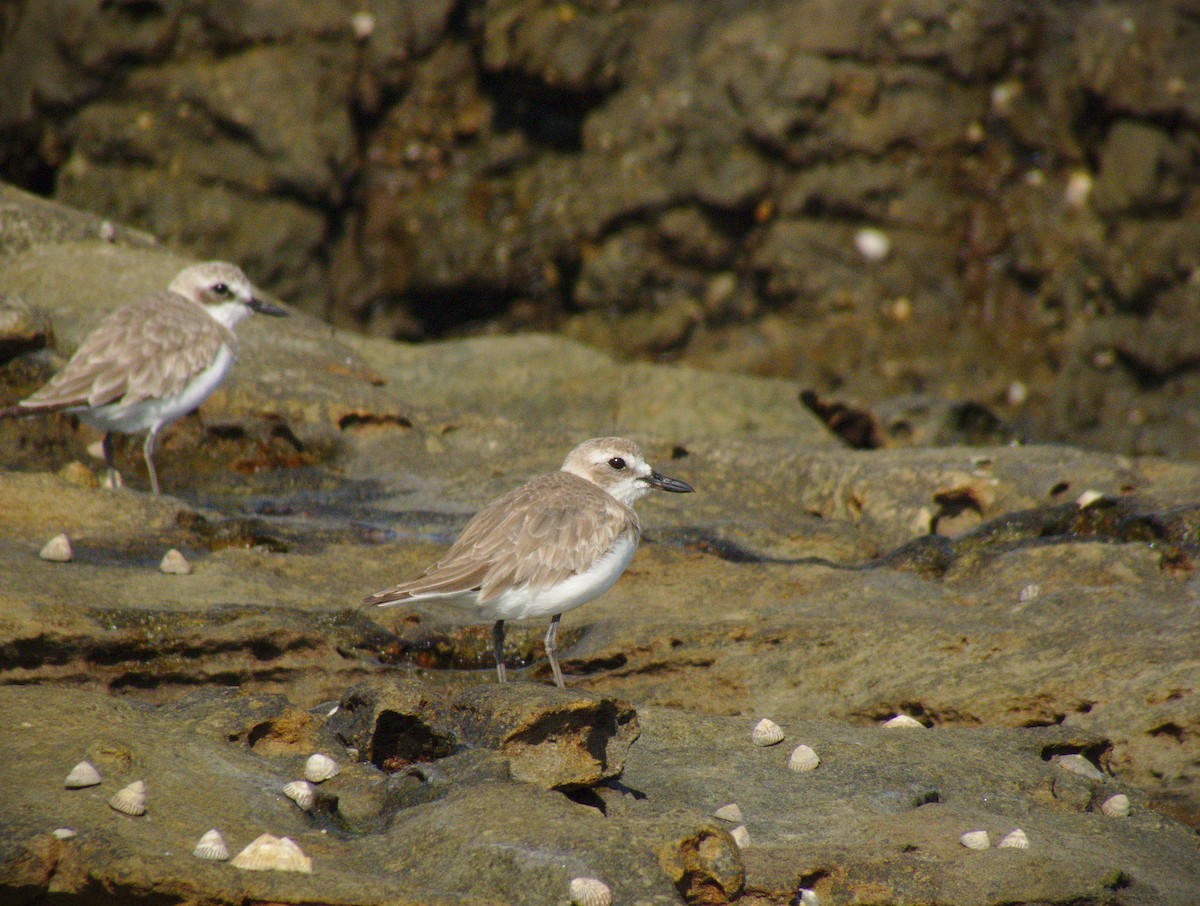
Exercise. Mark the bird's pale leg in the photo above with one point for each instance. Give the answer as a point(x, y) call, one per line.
point(551, 647)
point(498, 647)
point(113, 479)
point(148, 450)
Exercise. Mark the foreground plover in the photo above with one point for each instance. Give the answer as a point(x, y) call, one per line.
point(154, 360)
point(546, 547)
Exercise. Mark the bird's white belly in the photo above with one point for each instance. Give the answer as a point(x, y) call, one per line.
point(158, 412)
point(523, 602)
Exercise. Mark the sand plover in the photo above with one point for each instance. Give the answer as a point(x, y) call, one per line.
point(154, 360)
point(546, 547)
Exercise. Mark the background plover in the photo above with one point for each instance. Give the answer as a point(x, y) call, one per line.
point(154, 360)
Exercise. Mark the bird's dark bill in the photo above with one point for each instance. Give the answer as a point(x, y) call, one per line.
point(664, 483)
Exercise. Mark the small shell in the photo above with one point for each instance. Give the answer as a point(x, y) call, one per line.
point(301, 792)
point(903, 720)
point(57, 550)
point(1087, 498)
point(1077, 764)
point(872, 244)
point(590, 892)
point(82, 775)
point(741, 836)
point(130, 800)
point(806, 897)
point(270, 853)
point(1116, 806)
point(1029, 592)
point(803, 759)
point(174, 563)
point(65, 833)
point(363, 25)
point(211, 846)
point(975, 840)
point(729, 812)
point(1014, 840)
point(766, 733)
point(1078, 190)
point(320, 767)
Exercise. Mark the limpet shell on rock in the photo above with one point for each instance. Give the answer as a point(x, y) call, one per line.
point(903, 720)
point(729, 812)
point(82, 775)
point(65, 833)
point(1116, 806)
point(590, 892)
point(175, 563)
point(211, 845)
point(57, 550)
point(975, 840)
point(130, 800)
point(1077, 764)
point(803, 759)
point(806, 897)
point(1016, 839)
point(301, 792)
point(319, 768)
point(766, 733)
point(270, 853)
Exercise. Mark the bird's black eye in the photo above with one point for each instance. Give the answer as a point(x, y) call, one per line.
point(222, 290)
point(617, 463)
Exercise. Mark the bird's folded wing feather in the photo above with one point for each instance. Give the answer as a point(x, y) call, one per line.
point(146, 350)
point(537, 535)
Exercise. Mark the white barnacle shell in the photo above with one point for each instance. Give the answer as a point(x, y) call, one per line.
point(65, 833)
point(1077, 764)
point(82, 775)
point(729, 812)
point(903, 720)
point(803, 759)
point(1015, 839)
point(57, 550)
point(270, 853)
point(1029, 592)
point(766, 733)
point(872, 244)
point(174, 563)
point(589, 892)
point(211, 845)
point(363, 25)
point(1116, 806)
point(130, 800)
point(301, 792)
point(1087, 498)
point(741, 836)
point(806, 897)
point(975, 840)
point(319, 768)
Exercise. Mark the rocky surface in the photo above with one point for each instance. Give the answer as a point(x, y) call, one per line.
point(1022, 603)
point(969, 202)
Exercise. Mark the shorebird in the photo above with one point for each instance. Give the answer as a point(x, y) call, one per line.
point(546, 547)
point(153, 360)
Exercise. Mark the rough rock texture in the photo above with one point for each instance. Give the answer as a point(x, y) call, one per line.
point(1022, 603)
point(977, 203)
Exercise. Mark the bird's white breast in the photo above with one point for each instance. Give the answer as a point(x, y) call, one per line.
point(525, 602)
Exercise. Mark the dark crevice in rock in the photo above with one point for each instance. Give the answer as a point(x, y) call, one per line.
point(549, 116)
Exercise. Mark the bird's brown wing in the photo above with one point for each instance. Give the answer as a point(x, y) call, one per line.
point(145, 350)
point(537, 535)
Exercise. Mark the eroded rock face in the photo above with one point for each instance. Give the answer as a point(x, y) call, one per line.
point(667, 179)
point(551, 740)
